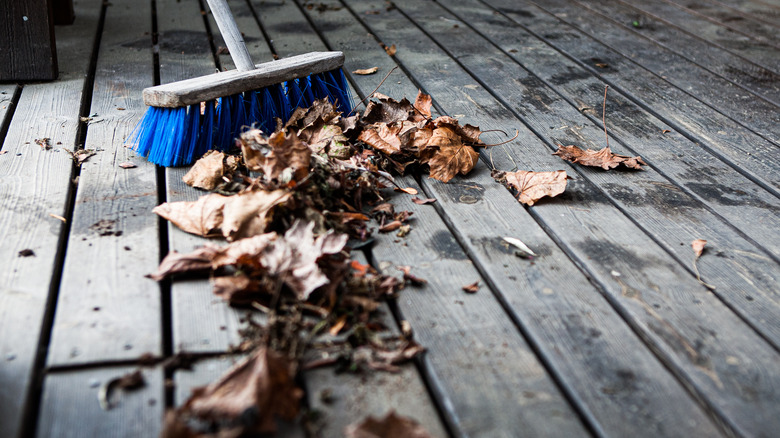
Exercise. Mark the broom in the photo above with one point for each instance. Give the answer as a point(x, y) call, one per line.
point(187, 118)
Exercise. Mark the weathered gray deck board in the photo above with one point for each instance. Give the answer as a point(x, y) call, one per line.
point(559, 323)
point(661, 205)
point(749, 154)
point(70, 406)
point(107, 310)
point(603, 250)
point(718, 64)
point(35, 183)
point(699, 52)
point(715, 34)
point(741, 106)
point(757, 20)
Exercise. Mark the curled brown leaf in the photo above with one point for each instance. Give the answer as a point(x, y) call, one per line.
point(603, 158)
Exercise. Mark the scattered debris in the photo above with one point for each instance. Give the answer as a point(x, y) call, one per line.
point(366, 71)
point(517, 243)
point(423, 201)
point(81, 155)
point(58, 217)
point(105, 227)
point(127, 165)
point(390, 49)
point(27, 252)
point(128, 382)
point(698, 249)
point(44, 143)
point(471, 288)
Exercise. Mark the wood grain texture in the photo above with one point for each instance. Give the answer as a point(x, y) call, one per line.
point(70, 406)
point(654, 293)
point(662, 204)
point(694, 24)
point(27, 51)
point(723, 97)
point(757, 19)
point(107, 309)
point(34, 183)
point(644, 268)
point(747, 153)
point(697, 52)
point(567, 328)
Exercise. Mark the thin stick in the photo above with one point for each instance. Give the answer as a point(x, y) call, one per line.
point(604, 114)
point(372, 93)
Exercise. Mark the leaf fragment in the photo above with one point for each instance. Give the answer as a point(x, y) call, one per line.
point(366, 71)
point(517, 243)
point(471, 288)
point(391, 425)
point(603, 158)
point(698, 247)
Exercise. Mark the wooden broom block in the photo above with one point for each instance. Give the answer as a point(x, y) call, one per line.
point(205, 88)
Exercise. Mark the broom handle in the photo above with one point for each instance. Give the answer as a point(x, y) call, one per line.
point(231, 35)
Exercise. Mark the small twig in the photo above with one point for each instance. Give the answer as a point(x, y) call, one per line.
point(517, 133)
point(372, 93)
point(604, 114)
point(698, 276)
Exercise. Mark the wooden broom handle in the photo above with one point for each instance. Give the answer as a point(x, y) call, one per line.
point(231, 35)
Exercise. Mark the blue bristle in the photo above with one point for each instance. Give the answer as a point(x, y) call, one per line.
point(281, 103)
point(318, 87)
point(169, 131)
point(238, 111)
point(267, 111)
point(190, 139)
point(294, 95)
point(339, 89)
point(206, 137)
point(177, 136)
point(224, 124)
point(255, 107)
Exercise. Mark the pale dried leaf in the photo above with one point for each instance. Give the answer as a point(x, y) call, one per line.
point(533, 186)
point(207, 172)
point(246, 214)
point(366, 71)
point(517, 243)
point(202, 217)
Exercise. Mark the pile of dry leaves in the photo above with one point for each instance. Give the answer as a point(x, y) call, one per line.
point(292, 205)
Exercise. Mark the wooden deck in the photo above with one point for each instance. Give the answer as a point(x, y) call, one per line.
point(607, 333)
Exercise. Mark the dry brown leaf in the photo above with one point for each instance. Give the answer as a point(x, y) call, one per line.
point(391, 425)
point(234, 217)
point(382, 137)
point(407, 190)
point(423, 103)
point(471, 288)
point(277, 153)
point(533, 186)
point(366, 71)
point(698, 247)
point(390, 226)
point(603, 158)
point(262, 384)
point(408, 276)
point(207, 172)
point(424, 201)
point(127, 165)
point(391, 49)
point(246, 214)
point(202, 217)
point(451, 156)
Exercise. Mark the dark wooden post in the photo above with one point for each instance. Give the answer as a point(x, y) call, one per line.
point(27, 50)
